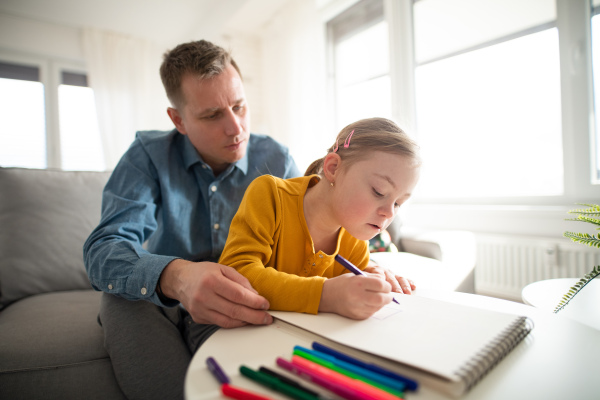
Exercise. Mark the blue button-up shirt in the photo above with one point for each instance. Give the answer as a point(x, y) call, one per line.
point(163, 202)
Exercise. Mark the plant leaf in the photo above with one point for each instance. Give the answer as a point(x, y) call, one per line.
point(574, 290)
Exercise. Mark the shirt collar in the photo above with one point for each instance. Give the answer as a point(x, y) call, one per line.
point(191, 156)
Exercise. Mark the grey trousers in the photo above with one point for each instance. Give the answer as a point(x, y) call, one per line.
point(150, 347)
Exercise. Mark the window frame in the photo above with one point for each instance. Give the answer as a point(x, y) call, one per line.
point(51, 77)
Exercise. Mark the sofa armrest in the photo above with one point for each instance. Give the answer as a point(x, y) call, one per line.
point(455, 249)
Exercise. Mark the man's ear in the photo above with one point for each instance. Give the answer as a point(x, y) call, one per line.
point(177, 120)
point(331, 166)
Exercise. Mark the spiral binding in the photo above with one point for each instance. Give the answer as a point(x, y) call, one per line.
point(488, 357)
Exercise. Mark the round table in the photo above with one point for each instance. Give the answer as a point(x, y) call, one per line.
point(558, 359)
point(584, 307)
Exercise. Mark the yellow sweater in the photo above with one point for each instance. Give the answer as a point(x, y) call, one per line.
point(269, 243)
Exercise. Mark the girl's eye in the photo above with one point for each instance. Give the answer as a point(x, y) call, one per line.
point(396, 205)
point(376, 193)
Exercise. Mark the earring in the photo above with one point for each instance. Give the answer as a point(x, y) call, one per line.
point(331, 184)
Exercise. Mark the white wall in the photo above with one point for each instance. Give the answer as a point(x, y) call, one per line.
point(21, 35)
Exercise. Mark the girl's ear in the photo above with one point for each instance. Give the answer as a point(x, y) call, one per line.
point(331, 166)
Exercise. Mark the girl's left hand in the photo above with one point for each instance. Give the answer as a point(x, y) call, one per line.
point(399, 283)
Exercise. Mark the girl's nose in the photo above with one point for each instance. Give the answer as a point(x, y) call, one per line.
point(387, 210)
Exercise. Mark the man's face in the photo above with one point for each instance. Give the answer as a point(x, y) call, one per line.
point(215, 117)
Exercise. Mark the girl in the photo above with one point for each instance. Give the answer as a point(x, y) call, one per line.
point(286, 233)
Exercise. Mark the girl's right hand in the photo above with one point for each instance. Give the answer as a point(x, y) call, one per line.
point(355, 296)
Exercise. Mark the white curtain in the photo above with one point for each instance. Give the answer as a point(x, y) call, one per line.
point(293, 58)
point(124, 74)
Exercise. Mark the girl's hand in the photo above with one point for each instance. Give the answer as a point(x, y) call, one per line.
point(399, 283)
point(356, 297)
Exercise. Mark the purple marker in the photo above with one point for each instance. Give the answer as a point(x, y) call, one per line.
point(353, 268)
point(216, 370)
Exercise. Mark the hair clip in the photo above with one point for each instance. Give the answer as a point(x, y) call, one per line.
point(347, 142)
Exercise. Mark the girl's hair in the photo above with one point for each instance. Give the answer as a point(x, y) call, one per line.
point(366, 136)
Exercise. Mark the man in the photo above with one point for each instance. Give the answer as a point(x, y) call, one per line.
point(166, 212)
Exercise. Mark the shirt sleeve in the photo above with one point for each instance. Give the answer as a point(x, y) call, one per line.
point(249, 249)
point(114, 257)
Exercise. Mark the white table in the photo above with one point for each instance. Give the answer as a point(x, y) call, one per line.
point(559, 359)
point(584, 307)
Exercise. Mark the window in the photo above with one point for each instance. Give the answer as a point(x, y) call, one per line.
point(47, 116)
point(596, 72)
point(488, 98)
point(80, 138)
point(502, 94)
point(22, 125)
point(359, 38)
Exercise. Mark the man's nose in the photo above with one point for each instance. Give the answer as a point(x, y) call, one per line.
point(233, 124)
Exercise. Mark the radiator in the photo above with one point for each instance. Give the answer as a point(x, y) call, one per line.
point(506, 264)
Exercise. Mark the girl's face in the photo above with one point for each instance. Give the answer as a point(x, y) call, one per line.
point(369, 193)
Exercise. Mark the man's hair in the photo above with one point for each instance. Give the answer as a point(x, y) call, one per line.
point(358, 140)
point(201, 58)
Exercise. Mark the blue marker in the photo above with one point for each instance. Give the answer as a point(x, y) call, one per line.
point(410, 384)
point(367, 373)
point(352, 268)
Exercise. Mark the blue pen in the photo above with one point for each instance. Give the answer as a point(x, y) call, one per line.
point(367, 373)
point(410, 384)
point(352, 268)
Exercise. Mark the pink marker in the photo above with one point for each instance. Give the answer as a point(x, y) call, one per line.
point(371, 391)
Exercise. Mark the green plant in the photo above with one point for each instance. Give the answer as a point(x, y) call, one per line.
point(591, 215)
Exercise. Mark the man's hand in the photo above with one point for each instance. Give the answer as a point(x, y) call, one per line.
point(214, 294)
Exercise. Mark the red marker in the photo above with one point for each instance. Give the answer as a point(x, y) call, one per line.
point(239, 394)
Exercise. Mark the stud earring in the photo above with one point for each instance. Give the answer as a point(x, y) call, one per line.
point(331, 183)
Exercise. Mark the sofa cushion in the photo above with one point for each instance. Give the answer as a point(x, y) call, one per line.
point(51, 346)
point(45, 217)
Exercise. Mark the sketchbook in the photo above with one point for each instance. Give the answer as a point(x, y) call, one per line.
point(444, 345)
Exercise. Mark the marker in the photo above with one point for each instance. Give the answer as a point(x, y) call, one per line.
point(341, 390)
point(388, 384)
point(410, 383)
point(239, 394)
point(216, 370)
point(228, 390)
point(354, 269)
point(290, 382)
point(276, 384)
point(371, 392)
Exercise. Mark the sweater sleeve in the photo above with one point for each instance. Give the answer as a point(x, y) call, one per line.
point(249, 248)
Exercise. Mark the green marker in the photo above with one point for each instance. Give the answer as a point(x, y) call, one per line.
point(343, 371)
point(276, 384)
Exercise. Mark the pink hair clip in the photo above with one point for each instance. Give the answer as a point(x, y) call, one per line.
point(346, 142)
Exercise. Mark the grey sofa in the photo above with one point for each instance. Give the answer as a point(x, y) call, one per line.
point(51, 345)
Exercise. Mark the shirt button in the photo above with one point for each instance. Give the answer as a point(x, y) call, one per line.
point(144, 291)
point(110, 286)
point(213, 188)
point(204, 166)
point(320, 255)
point(216, 226)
